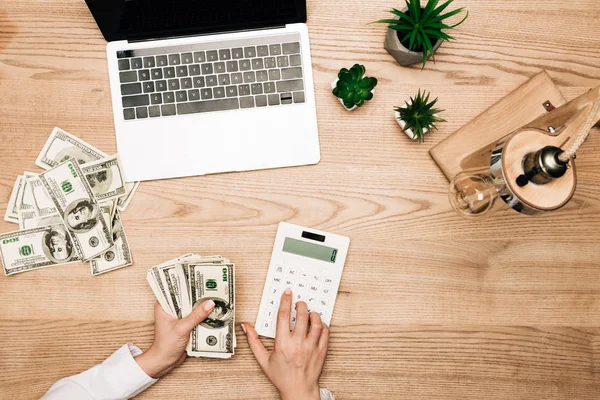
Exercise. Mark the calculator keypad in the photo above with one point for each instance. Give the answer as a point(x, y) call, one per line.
point(316, 288)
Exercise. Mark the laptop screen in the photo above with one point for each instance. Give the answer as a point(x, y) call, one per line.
point(147, 19)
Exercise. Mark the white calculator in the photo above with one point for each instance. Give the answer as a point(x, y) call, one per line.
point(309, 262)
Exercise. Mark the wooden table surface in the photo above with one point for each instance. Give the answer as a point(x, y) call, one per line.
point(431, 306)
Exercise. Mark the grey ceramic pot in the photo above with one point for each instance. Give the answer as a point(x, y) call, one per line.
point(400, 53)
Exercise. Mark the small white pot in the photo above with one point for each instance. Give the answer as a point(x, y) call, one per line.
point(402, 124)
point(333, 85)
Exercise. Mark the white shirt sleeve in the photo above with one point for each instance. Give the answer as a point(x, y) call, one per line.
point(327, 395)
point(118, 377)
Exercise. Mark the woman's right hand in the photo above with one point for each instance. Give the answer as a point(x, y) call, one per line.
point(295, 364)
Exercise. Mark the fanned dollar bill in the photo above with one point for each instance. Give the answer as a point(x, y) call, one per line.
point(43, 206)
point(116, 257)
point(29, 220)
point(130, 188)
point(79, 209)
point(105, 178)
point(36, 248)
point(185, 282)
point(12, 211)
point(61, 146)
point(25, 199)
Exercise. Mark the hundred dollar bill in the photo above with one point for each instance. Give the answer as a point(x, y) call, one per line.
point(116, 257)
point(79, 209)
point(36, 248)
point(25, 200)
point(105, 178)
point(29, 220)
point(216, 334)
point(43, 206)
point(155, 282)
point(130, 188)
point(62, 145)
point(12, 212)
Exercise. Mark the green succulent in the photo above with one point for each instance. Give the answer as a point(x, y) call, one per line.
point(419, 29)
point(419, 114)
point(353, 87)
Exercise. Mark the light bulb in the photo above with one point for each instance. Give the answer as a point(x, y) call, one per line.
point(473, 193)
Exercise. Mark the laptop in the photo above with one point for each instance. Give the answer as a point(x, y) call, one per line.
point(201, 87)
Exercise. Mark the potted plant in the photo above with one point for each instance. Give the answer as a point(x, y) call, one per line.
point(418, 117)
point(353, 88)
point(416, 33)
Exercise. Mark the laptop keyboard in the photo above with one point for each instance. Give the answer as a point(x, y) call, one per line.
point(208, 77)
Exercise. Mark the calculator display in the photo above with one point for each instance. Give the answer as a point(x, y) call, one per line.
point(310, 250)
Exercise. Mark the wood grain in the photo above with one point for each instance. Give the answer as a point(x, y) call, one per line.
point(431, 306)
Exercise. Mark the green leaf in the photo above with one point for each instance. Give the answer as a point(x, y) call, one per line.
point(441, 8)
point(429, 9)
point(463, 20)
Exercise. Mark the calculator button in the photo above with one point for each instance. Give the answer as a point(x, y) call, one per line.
point(279, 269)
point(292, 272)
point(301, 296)
point(289, 283)
point(326, 292)
point(274, 292)
point(316, 278)
point(311, 301)
point(322, 314)
point(267, 324)
point(301, 286)
point(277, 280)
point(313, 289)
point(323, 303)
point(272, 303)
point(269, 313)
point(328, 280)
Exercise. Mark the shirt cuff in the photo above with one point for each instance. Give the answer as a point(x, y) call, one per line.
point(326, 395)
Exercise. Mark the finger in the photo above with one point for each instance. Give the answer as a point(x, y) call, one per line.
point(301, 328)
point(198, 314)
point(324, 340)
point(316, 327)
point(284, 314)
point(258, 349)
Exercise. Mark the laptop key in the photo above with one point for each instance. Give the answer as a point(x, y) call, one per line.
point(194, 95)
point(206, 94)
point(237, 53)
point(161, 86)
point(156, 73)
point(212, 55)
point(212, 80)
point(169, 72)
point(136, 63)
point(129, 76)
point(247, 102)
point(250, 52)
point(288, 86)
point(129, 113)
point(149, 62)
point(154, 111)
point(169, 97)
point(135, 101)
point(256, 88)
point(249, 77)
point(182, 71)
point(299, 97)
point(168, 110)
point(174, 59)
point(231, 91)
point(194, 70)
point(295, 60)
point(274, 75)
point(124, 65)
point(181, 96)
point(144, 75)
point(245, 65)
point(219, 67)
point(207, 69)
point(262, 76)
point(283, 61)
point(275, 49)
point(131, 88)
point(186, 83)
point(291, 73)
point(162, 61)
point(270, 62)
point(261, 101)
point(269, 87)
point(232, 66)
point(148, 87)
point(187, 58)
point(224, 80)
point(273, 99)
point(291, 48)
point(236, 78)
point(199, 82)
point(286, 98)
point(244, 90)
point(141, 112)
point(174, 84)
point(219, 92)
point(207, 106)
point(257, 63)
point(156, 98)
point(199, 57)
point(225, 54)
point(262, 51)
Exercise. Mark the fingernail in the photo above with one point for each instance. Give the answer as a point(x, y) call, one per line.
point(244, 328)
point(288, 291)
point(209, 305)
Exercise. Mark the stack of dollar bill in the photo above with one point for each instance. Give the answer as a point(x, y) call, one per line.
point(183, 283)
point(70, 212)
